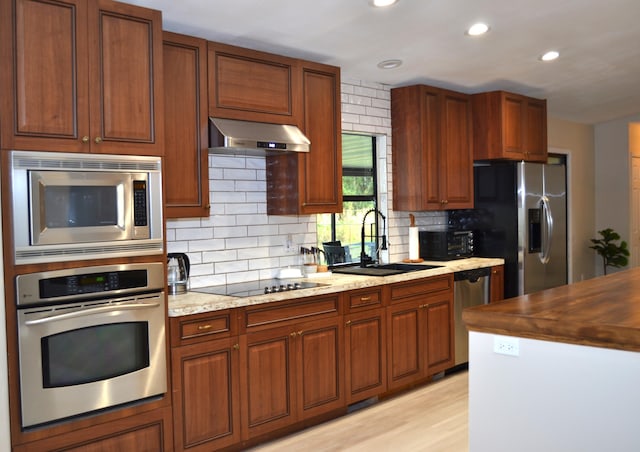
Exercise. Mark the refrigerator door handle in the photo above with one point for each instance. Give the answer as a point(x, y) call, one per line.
point(547, 234)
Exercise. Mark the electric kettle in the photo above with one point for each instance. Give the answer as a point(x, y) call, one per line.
point(177, 273)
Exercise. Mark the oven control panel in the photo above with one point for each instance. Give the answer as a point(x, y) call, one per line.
point(64, 285)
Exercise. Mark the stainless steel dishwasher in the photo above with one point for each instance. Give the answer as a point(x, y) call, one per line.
point(470, 288)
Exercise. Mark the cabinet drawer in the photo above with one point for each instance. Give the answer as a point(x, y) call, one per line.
point(197, 327)
point(403, 291)
point(272, 314)
point(365, 299)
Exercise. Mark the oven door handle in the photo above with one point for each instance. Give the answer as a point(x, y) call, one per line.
point(92, 311)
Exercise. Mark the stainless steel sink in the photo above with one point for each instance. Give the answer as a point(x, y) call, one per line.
point(384, 269)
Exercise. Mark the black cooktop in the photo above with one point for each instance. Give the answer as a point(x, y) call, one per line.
point(253, 288)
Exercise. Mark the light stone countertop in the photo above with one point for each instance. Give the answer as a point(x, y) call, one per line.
point(195, 302)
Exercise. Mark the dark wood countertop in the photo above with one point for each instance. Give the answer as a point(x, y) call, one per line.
point(600, 312)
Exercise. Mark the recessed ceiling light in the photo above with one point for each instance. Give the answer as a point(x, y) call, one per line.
point(550, 55)
point(478, 29)
point(389, 64)
point(382, 3)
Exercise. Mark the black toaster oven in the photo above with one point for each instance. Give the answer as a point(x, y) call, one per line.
point(446, 245)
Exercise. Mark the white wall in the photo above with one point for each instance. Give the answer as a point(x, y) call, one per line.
point(5, 438)
point(576, 140)
point(613, 183)
point(553, 397)
point(240, 242)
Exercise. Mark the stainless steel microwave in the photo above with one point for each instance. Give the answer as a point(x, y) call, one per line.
point(85, 206)
point(446, 245)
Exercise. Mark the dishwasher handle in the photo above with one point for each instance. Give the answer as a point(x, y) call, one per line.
point(472, 275)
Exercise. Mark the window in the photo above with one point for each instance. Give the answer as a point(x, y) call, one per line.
point(340, 234)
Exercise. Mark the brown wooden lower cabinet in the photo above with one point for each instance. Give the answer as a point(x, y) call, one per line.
point(419, 331)
point(146, 432)
point(365, 354)
point(285, 364)
point(496, 285)
point(290, 373)
point(206, 402)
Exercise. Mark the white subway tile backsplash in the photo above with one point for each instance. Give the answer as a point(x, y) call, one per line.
point(206, 245)
point(194, 233)
point(240, 242)
point(219, 256)
point(240, 208)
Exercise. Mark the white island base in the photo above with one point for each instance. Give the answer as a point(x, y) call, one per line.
point(552, 397)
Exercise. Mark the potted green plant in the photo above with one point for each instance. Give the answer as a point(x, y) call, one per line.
point(613, 254)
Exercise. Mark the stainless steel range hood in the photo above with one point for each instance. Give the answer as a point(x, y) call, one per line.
point(231, 136)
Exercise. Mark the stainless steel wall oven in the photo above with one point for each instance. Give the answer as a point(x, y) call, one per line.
point(89, 339)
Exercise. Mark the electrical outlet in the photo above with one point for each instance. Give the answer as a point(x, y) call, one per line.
point(506, 345)
point(289, 246)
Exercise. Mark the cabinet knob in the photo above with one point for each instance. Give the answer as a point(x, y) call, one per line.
point(85, 139)
point(236, 346)
point(348, 323)
point(444, 201)
point(293, 334)
point(98, 140)
point(300, 333)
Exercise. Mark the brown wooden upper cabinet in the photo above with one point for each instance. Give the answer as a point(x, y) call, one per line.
point(257, 86)
point(310, 183)
point(186, 126)
point(509, 126)
point(82, 76)
point(432, 154)
point(253, 86)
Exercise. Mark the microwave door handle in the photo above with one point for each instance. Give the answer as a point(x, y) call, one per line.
point(548, 231)
point(91, 311)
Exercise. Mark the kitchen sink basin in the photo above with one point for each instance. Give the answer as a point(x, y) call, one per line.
point(383, 269)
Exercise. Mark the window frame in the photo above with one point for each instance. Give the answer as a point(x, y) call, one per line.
point(351, 171)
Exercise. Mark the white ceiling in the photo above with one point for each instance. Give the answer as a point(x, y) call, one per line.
point(596, 78)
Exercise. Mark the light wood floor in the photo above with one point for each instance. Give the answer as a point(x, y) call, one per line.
point(433, 418)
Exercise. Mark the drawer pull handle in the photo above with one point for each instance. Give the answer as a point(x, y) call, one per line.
point(365, 298)
point(348, 323)
point(204, 327)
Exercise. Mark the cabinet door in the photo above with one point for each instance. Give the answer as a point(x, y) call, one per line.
point(497, 284)
point(535, 132)
point(253, 86)
point(319, 368)
point(431, 166)
point(146, 432)
point(44, 101)
point(405, 344)
point(186, 126)
point(125, 74)
point(206, 388)
point(513, 120)
point(322, 167)
point(365, 355)
point(439, 326)
point(267, 377)
point(456, 154)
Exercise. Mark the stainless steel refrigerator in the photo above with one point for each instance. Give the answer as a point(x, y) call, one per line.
point(521, 215)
